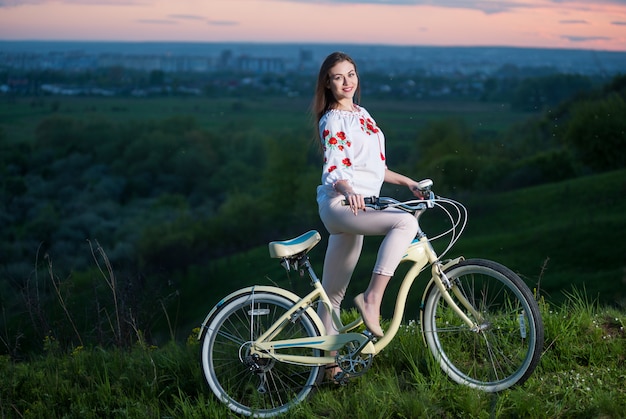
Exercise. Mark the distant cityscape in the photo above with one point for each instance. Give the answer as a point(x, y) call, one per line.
point(280, 58)
point(20, 58)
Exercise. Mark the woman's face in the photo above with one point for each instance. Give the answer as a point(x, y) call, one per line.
point(343, 80)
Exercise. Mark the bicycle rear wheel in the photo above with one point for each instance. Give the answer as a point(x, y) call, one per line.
point(506, 348)
point(259, 387)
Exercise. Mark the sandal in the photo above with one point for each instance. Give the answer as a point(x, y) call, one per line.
point(331, 372)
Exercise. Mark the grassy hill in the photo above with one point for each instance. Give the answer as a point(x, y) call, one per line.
point(557, 236)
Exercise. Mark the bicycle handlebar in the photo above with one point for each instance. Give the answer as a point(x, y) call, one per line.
point(380, 203)
point(454, 210)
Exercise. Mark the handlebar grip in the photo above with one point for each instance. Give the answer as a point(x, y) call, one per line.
point(424, 185)
point(369, 200)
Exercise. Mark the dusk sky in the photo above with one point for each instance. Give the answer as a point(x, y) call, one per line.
point(590, 24)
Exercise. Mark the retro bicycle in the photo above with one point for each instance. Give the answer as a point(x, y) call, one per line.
point(264, 349)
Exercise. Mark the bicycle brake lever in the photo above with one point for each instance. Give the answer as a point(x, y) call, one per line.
point(430, 201)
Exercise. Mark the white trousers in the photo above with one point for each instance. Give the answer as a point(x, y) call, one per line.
point(346, 241)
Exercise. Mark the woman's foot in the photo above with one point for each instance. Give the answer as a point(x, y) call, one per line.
point(371, 321)
point(331, 373)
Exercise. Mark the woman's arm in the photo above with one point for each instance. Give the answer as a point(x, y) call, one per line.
point(399, 179)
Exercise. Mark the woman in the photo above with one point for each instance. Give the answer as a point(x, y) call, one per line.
point(354, 168)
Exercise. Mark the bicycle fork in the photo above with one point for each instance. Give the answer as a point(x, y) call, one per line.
point(445, 285)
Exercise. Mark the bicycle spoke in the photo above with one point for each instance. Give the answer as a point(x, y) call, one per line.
point(506, 347)
point(254, 384)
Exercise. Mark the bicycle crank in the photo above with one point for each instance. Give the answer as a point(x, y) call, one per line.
point(352, 362)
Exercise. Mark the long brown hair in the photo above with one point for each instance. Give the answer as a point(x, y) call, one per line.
point(323, 99)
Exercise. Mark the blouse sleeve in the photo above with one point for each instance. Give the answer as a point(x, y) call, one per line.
point(338, 150)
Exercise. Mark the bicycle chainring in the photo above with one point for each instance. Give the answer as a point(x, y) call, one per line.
point(351, 362)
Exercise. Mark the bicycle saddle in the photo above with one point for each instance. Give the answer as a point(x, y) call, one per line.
point(302, 243)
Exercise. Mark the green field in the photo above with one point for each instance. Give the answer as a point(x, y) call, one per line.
point(399, 119)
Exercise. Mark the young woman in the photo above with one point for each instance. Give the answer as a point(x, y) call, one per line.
point(355, 167)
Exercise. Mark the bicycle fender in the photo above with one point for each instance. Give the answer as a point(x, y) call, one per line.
point(255, 289)
point(444, 267)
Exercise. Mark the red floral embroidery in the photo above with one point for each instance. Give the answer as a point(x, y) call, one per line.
point(337, 140)
point(368, 126)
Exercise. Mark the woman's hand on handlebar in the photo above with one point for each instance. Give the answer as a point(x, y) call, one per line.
point(356, 202)
point(417, 191)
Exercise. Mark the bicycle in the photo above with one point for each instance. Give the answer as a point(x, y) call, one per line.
point(264, 349)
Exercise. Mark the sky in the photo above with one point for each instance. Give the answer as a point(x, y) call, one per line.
point(572, 24)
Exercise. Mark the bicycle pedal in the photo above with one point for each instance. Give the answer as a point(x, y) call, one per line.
point(341, 378)
point(343, 381)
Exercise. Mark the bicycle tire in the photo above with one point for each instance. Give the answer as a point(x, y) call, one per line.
point(508, 346)
point(263, 387)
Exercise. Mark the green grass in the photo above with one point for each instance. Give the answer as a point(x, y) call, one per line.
point(581, 374)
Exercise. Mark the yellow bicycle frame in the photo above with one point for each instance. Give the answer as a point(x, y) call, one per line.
point(420, 253)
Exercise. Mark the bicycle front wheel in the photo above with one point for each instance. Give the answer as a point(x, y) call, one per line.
point(505, 348)
point(250, 385)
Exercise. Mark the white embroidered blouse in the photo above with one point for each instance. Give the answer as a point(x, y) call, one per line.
point(354, 151)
